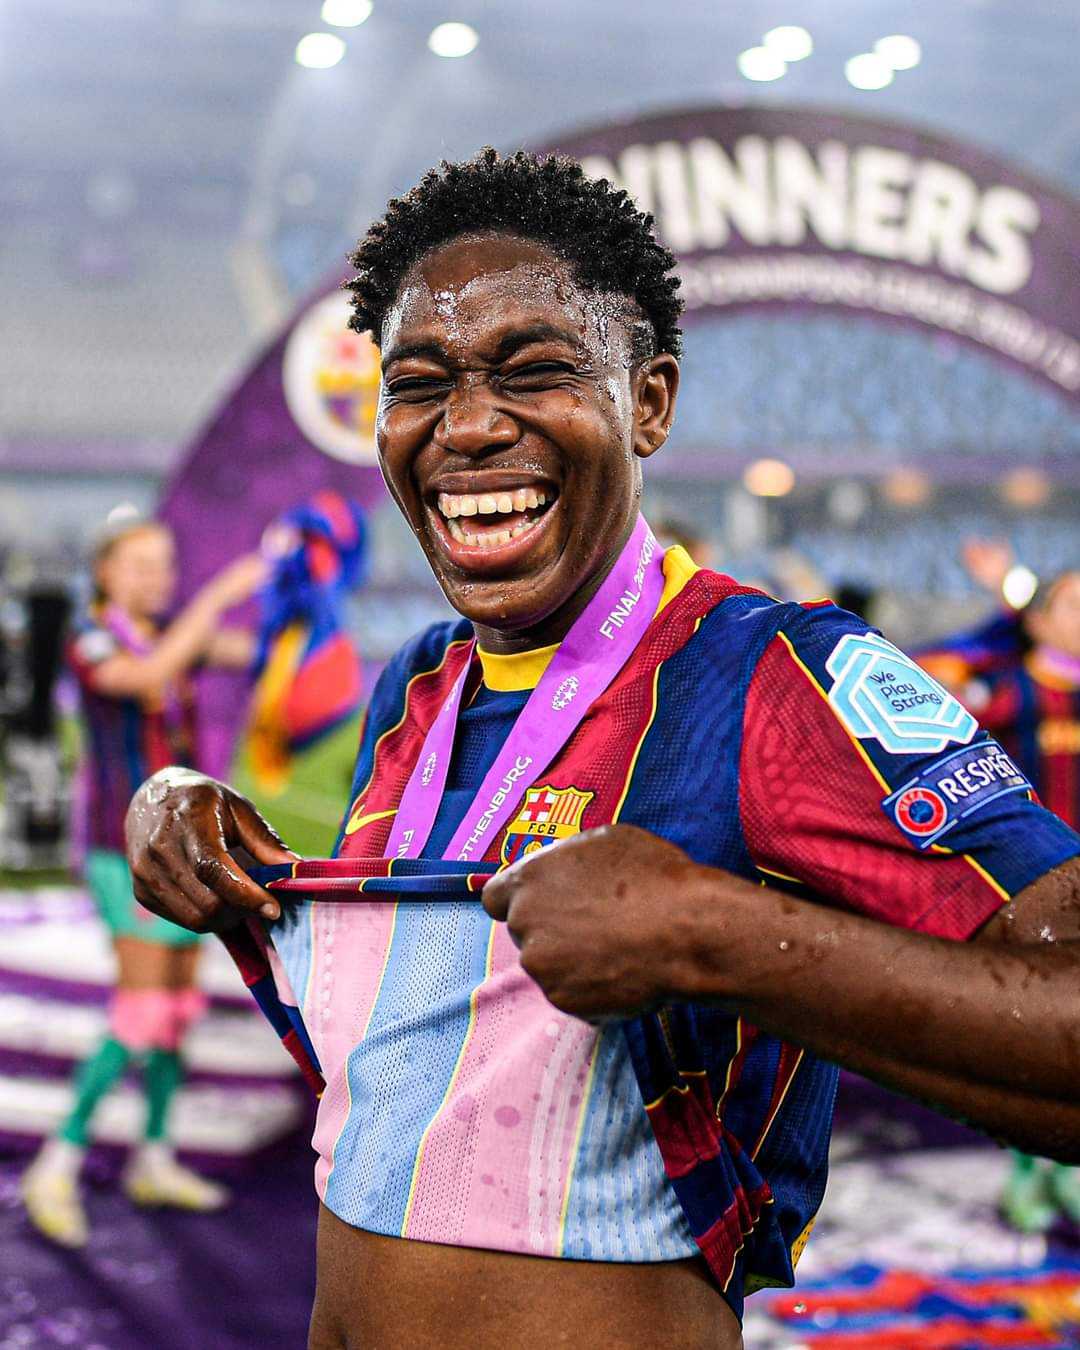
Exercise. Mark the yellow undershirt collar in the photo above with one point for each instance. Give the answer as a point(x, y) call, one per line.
point(508, 671)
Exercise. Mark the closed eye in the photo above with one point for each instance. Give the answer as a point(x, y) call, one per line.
point(414, 389)
point(537, 373)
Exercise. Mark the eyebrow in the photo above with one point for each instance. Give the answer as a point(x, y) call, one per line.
point(510, 342)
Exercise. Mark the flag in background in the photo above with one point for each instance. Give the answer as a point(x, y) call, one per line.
point(308, 671)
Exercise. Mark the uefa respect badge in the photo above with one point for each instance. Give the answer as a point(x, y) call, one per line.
point(880, 694)
point(952, 789)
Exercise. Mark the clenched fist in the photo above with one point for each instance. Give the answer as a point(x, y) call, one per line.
point(606, 921)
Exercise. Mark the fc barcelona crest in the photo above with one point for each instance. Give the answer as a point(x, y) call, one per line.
point(547, 815)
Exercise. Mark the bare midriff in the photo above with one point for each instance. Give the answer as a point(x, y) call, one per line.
point(382, 1293)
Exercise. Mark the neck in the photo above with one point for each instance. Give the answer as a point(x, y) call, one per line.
point(552, 629)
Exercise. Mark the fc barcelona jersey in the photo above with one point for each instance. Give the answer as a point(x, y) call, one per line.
point(128, 739)
point(788, 744)
point(1036, 713)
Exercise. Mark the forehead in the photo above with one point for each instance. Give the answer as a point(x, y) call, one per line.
point(475, 290)
point(1066, 588)
point(153, 541)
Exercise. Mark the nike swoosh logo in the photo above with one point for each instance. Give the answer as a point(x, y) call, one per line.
point(357, 822)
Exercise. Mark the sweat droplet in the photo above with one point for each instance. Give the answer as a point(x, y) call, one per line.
point(784, 945)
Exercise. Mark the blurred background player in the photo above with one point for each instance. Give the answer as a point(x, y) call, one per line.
point(1020, 674)
point(133, 674)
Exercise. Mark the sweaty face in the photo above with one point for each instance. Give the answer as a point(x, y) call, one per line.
point(510, 425)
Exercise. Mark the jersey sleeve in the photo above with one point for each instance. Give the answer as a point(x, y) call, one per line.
point(87, 648)
point(863, 779)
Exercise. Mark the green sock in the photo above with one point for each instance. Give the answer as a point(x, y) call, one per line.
point(95, 1077)
point(1026, 1202)
point(161, 1078)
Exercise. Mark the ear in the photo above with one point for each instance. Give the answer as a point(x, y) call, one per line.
point(655, 387)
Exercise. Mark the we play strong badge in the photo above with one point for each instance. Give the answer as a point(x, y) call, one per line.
point(881, 694)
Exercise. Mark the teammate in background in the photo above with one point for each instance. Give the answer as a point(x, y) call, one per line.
point(137, 712)
point(1020, 675)
point(603, 1118)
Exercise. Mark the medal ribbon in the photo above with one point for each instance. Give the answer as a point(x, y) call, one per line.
point(593, 652)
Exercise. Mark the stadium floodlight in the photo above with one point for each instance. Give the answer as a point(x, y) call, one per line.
point(453, 39)
point(346, 13)
point(761, 63)
point(900, 51)
point(789, 42)
point(319, 51)
point(868, 71)
point(769, 478)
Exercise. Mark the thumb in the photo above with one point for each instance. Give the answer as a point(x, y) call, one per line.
point(257, 836)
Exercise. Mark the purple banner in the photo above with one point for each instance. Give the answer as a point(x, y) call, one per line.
point(794, 207)
point(302, 419)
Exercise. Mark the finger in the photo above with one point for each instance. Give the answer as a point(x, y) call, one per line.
point(259, 837)
point(168, 901)
point(495, 897)
point(213, 867)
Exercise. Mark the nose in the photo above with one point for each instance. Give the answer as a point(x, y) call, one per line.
point(472, 423)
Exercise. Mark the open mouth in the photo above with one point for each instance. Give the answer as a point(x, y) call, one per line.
point(491, 521)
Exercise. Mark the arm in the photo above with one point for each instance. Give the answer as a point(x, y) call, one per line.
point(184, 642)
point(231, 649)
point(988, 1031)
point(885, 979)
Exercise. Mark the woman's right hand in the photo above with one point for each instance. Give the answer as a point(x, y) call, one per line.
point(180, 826)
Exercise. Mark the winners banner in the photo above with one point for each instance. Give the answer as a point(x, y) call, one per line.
point(785, 208)
point(798, 208)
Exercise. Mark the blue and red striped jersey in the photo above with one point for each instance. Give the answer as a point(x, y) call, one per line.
point(127, 739)
point(786, 744)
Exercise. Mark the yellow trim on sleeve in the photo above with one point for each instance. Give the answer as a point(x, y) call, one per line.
point(815, 685)
point(995, 886)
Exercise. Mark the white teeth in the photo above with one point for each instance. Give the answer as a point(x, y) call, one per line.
point(452, 504)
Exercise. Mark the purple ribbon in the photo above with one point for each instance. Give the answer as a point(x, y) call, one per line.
point(596, 648)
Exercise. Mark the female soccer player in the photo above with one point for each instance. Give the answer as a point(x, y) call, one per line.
point(1020, 675)
point(742, 841)
point(137, 712)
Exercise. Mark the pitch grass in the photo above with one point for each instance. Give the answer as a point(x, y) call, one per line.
point(307, 814)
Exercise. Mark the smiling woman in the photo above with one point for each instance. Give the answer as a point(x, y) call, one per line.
point(632, 1070)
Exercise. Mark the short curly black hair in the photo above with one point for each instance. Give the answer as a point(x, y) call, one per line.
point(593, 225)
